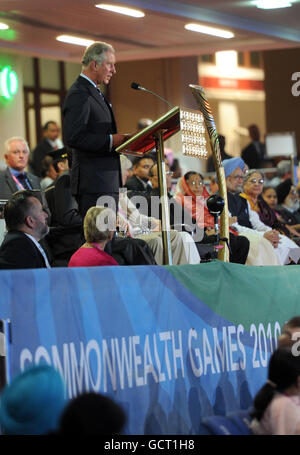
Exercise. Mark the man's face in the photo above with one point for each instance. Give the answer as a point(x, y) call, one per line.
point(17, 156)
point(154, 178)
point(39, 216)
point(106, 70)
point(141, 169)
point(52, 132)
point(235, 181)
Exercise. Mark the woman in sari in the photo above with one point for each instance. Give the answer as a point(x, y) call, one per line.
point(192, 195)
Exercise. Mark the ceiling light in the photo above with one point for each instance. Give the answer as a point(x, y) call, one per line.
point(272, 4)
point(3, 26)
point(209, 30)
point(121, 10)
point(74, 40)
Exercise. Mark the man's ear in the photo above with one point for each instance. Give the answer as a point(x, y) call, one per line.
point(29, 221)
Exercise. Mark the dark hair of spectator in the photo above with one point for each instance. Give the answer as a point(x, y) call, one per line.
point(45, 127)
point(90, 414)
point(140, 158)
point(17, 209)
point(188, 174)
point(283, 372)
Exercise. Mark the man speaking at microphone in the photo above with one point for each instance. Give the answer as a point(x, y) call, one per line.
point(89, 129)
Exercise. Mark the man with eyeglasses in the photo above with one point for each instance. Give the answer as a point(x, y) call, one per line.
point(262, 243)
point(89, 129)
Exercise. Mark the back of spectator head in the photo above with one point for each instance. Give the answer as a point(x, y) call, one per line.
point(33, 402)
point(91, 414)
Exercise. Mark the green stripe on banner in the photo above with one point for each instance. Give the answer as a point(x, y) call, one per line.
point(244, 294)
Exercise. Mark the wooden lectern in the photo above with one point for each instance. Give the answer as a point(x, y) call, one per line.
point(191, 125)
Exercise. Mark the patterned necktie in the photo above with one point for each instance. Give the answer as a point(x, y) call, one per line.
point(100, 93)
point(24, 181)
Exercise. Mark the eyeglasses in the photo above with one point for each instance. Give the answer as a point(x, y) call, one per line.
point(169, 173)
point(196, 183)
point(260, 181)
point(238, 177)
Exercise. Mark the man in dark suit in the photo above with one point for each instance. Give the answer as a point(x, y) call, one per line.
point(49, 142)
point(14, 177)
point(254, 153)
point(26, 223)
point(140, 177)
point(89, 129)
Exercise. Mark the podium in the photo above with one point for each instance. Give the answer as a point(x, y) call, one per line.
point(191, 126)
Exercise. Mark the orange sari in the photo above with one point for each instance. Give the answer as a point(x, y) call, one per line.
point(195, 205)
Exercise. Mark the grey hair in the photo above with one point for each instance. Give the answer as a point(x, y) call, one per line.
point(12, 139)
point(96, 51)
point(251, 172)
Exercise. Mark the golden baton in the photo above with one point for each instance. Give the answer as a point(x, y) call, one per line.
point(204, 107)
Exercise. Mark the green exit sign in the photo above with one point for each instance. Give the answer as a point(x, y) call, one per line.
point(8, 83)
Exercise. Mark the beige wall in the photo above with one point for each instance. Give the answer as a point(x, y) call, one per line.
point(282, 108)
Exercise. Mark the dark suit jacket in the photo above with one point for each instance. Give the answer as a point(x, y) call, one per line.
point(135, 184)
point(88, 121)
point(17, 251)
point(8, 185)
point(38, 155)
point(66, 233)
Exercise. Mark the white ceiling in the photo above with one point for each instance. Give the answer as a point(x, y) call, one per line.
point(34, 25)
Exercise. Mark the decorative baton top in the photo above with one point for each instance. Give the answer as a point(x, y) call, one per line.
point(204, 106)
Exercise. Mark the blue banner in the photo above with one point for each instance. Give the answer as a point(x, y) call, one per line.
point(142, 336)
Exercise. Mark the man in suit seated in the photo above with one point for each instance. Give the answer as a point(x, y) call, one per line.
point(26, 223)
point(141, 167)
point(14, 177)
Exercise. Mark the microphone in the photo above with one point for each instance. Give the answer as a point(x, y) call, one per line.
point(137, 86)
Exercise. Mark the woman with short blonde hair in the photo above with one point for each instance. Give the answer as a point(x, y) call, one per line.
point(99, 226)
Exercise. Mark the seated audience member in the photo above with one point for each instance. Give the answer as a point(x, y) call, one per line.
point(290, 332)
point(192, 195)
point(269, 195)
point(253, 186)
point(99, 226)
point(33, 402)
point(60, 165)
point(14, 178)
point(288, 203)
point(92, 414)
point(176, 169)
point(263, 244)
point(277, 404)
point(48, 173)
point(283, 173)
point(66, 233)
point(140, 226)
point(26, 223)
point(139, 179)
point(49, 142)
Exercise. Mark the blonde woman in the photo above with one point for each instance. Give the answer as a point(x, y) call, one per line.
point(99, 227)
